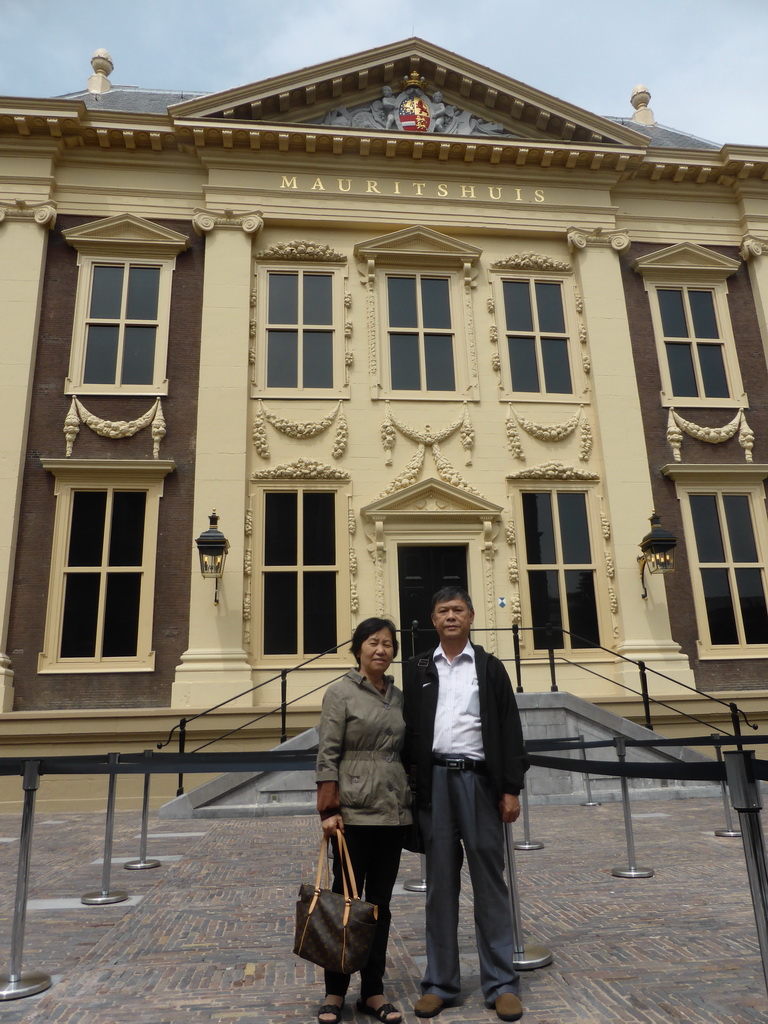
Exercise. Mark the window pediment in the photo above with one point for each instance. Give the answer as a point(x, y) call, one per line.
point(126, 231)
point(685, 261)
point(415, 246)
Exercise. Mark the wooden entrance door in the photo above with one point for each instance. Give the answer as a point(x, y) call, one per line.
point(422, 570)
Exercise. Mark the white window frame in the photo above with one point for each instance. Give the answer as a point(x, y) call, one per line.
point(578, 381)
point(258, 504)
point(422, 251)
point(99, 475)
point(522, 486)
point(686, 267)
point(125, 241)
point(721, 480)
point(338, 274)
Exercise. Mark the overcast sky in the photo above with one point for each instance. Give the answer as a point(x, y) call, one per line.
point(704, 61)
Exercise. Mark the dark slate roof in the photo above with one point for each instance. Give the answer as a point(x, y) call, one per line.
point(132, 99)
point(666, 138)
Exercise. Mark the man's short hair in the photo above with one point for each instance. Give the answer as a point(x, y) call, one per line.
point(451, 594)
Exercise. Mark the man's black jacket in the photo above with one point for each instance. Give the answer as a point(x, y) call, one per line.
point(505, 756)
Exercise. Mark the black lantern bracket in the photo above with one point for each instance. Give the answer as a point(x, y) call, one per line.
point(658, 551)
point(212, 547)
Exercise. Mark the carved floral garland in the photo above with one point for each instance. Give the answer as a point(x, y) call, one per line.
point(299, 431)
point(114, 428)
point(550, 432)
point(677, 426)
point(426, 436)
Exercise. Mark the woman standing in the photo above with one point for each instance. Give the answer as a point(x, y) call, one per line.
point(362, 789)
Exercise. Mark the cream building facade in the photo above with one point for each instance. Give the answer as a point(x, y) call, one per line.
point(399, 319)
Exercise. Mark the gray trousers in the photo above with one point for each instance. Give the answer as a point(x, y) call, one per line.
point(464, 809)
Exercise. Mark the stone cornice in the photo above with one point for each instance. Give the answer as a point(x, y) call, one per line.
point(43, 213)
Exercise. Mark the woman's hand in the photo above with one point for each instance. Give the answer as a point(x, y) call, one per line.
point(335, 821)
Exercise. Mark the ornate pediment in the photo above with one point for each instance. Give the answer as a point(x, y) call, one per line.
point(431, 499)
point(410, 87)
point(684, 261)
point(415, 244)
point(143, 237)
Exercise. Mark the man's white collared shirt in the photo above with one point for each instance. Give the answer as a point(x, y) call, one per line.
point(457, 717)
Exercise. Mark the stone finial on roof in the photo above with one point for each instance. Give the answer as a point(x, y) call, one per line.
point(102, 65)
point(639, 99)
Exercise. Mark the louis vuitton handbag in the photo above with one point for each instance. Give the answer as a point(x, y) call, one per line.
point(333, 929)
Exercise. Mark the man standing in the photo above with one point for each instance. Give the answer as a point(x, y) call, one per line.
point(464, 746)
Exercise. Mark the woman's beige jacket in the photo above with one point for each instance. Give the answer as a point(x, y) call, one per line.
point(361, 736)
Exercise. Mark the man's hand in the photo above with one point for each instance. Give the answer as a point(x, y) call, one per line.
point(509, 808)
point(335, 822)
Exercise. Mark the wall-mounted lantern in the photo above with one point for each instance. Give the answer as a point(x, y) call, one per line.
point(212, 546)
point(658, 551)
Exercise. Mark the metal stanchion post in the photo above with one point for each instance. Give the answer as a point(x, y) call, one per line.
point(527, 843)
point(530, 955)
point(418, 884)
point(589, 802)
point(142, 862)
point(518, 664)
point(96, 899)
point(729, 832)
point(16, 984)
point(745, 796)
point(632, 871)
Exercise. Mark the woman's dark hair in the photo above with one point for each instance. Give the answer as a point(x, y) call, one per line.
point(367, 628)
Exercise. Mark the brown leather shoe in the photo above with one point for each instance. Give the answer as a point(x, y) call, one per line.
point(428, 1006)
point(508, 1007)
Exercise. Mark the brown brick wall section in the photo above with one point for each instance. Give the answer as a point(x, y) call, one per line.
point(46, 439)
point(722, 674)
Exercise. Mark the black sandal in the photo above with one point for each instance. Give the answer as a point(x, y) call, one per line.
point(328, 1009)
point(383, 1013)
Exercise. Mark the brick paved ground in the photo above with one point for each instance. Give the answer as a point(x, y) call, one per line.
point(207, 937)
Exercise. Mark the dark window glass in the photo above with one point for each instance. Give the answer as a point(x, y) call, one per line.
point(582, 607)
point(719, 605)
point(121, 615)
point(522, 362)
point(574, 529)
point(402, 302)
point(101, 354)
point(539, 528)
point(404, 362)
point(319, 528)
point(557, 372)
point(706, 527)
point(81, 610)
point(86, 531)
point(317, 349)
point(703, 314)
point(283, 306)
point(280, 612)
point(672, 313)
point(438, 362)
point(319, 611)
point(318, 308)
point(106, 293)
point(282, 359)
point(681, 370)
point(545, 607)
point(749, 583)
point(138, 355)
point(517, 306)
point(739, 523)
point(713, 371)
point(126, 540)
point(549, 305)
point(280, 528)
point(143, 287)
point(435, 303)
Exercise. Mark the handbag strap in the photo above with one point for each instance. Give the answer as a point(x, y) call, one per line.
point(346, 866)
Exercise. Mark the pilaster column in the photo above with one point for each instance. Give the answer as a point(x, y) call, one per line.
point(23, 243)
point(215, 666)
point(754, 251)
point(644, 629)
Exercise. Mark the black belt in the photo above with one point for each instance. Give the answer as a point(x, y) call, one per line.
point(460, 764)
